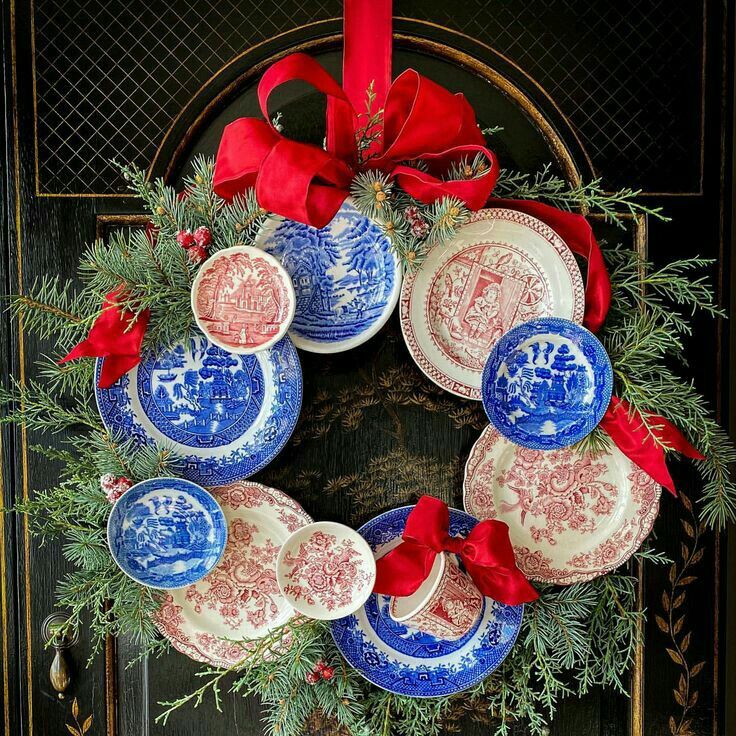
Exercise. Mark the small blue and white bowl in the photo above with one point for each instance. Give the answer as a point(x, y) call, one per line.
point(166, 533)
point(547, 383)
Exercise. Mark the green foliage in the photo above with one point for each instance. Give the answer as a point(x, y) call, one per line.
point(589, 196)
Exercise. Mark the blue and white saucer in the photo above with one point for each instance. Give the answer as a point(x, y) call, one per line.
point(406, 661)
point(547, 383)
point(346, 277)
point(226, 415)
point(166, 533)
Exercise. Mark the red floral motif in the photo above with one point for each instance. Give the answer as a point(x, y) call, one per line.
point(240, 595)
point(560, 506)
point(242, 300)
point(243, 585)
point(562, 489)
point(326, 572)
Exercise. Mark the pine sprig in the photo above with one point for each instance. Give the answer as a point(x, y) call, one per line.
point(590, 196)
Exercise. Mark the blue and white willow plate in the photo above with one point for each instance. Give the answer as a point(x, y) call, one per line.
point(225, 415)
point(346, 278)
point(166, 532)
point(407, 661)
point(547, 383)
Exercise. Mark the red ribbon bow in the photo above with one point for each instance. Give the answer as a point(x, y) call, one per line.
point(486, 553)
point(422, 122)
point(114, 336)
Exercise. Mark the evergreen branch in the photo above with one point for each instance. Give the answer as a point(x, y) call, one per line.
point(557, 191)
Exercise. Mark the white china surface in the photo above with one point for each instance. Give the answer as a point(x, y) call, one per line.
point(571, 517)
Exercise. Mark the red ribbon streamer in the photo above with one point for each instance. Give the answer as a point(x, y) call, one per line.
point(116, 338)
point(575, 230)
point(422, 122)
point(629, 431)
point(486, 553)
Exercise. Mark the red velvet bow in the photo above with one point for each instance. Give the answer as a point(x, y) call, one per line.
point(116, 338)
point(486, 554)
point(422, 122)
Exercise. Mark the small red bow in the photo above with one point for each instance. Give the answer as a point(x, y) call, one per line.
point(116, 338)
point(422, 122)
point(486, 553)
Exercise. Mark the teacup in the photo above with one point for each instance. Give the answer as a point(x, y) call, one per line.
point(446, 605)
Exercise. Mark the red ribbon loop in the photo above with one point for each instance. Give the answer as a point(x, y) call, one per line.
point(486, 553)
point(628, 430)
point(422, 121)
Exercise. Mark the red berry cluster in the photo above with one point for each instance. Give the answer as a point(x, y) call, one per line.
point(320, 672)
point(195, 243)
point(419, 226)
point(114, 487)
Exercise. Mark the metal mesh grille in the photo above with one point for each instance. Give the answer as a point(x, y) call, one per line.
point(112, 76)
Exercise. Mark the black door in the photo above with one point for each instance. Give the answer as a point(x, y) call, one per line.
point(638, 93)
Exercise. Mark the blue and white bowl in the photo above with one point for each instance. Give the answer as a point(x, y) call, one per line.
point(346, 278)
point(547, 383)
point(166, 533)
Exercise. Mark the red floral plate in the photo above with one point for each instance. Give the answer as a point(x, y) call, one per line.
point(501, 268)
point(571, 517)
point(240, 598)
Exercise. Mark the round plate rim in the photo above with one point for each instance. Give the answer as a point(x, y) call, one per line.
point(576, 577)
point(149, 481)
point(183, 647)
point(569, 326)
point(510, 644)
point(248, 250)
point(488, 213)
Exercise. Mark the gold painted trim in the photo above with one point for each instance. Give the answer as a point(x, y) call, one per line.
point(21, 359)
point(396, 35)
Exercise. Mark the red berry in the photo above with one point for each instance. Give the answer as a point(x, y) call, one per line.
point(203, 236)
point(312, 678)
point(327, 673)
point(185, 238)
point(197, 254)
point(319, 666)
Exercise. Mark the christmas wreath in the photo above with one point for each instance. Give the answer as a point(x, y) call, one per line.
point(419, 186)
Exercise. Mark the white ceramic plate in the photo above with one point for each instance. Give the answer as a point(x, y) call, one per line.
point(240, 598)
point(571, 517)
point(501, 269)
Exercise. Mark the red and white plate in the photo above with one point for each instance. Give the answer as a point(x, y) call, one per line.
point(571, 517)
point(501, 268)
point(243, 299)
point(240, 598)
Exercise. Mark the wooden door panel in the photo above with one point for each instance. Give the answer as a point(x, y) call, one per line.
point(625, 91)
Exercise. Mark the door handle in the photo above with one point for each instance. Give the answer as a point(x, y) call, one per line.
point(60, 637)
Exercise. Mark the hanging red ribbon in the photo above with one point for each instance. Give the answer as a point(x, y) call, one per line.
point(486, 553)
point(116, 337)
point(422, 123)
point(633, 437)
point(575, 230)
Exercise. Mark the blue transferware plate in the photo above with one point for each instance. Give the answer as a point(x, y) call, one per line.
point(406, 661)
point(166, 533)
point(226, 415)
point(547, 383)
point(346, 278)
